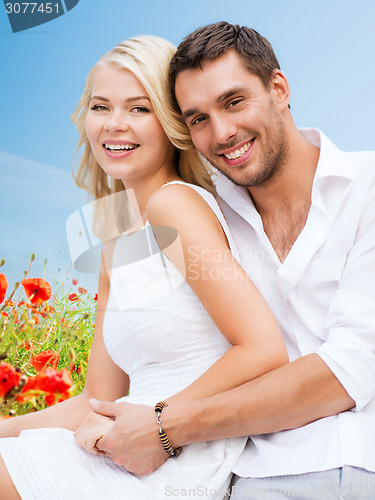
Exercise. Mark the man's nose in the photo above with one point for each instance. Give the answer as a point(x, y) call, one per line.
point(223, 129)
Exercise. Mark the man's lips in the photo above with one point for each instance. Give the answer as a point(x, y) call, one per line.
point(237, 151)
point(238, 154)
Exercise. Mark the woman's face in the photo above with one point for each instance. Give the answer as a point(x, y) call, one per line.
point(125, 135)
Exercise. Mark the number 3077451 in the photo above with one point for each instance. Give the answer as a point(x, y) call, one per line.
point(31, 8)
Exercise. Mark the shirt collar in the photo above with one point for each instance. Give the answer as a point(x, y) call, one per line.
point(239, 199)
point(332, 163)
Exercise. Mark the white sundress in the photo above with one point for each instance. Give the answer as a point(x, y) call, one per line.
point(157, 331)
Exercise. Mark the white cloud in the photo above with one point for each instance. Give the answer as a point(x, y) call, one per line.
point(36, 200)
point(28, 182)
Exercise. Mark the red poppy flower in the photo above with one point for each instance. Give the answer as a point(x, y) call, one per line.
point(96, 297)
point(27, 345)
point(82, 290)
point(48, 309)
point(9, 378)
point(55, 384)
point(27, 392)
point(51, 399)
point(73, 297)
point(44, 359)
point(37, 289)
point(75, 282)
point(54, 381)
point(3, 286)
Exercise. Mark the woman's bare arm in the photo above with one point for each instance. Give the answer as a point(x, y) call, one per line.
point(223, 287)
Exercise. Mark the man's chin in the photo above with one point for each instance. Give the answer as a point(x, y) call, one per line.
point(236, 179)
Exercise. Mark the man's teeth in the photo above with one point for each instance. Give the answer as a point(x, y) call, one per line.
point(239, 152)
point(120, 147)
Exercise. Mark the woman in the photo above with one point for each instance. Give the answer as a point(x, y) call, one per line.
point(173, 339)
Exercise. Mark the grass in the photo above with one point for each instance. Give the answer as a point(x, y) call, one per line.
point(30, 328)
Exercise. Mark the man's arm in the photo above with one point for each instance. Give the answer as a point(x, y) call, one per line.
point(293, 395)
point(290, 396)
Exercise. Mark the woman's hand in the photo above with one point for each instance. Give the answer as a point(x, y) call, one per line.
point(92, 430)
point(133, 440)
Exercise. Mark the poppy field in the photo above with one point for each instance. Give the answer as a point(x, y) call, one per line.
point(45, 339)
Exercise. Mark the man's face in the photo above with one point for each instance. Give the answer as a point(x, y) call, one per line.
point(234, 121)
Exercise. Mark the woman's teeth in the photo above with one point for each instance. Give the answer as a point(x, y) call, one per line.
point(120, 147)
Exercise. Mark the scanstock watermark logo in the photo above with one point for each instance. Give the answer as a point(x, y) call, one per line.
point(25, 15)
point(111, 233)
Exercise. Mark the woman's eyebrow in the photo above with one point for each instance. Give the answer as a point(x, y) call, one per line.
point(130, 99)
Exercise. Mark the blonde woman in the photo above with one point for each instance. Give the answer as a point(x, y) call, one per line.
point(158, 337)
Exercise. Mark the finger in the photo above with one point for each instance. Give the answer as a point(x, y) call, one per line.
point(97, 443)
point(93, 446)
point(98, 449)
point(105, 408)
point(101, 445)
point(87, 445)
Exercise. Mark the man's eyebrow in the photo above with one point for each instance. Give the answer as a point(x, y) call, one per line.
point(230, 93)
point(189, 112)
point(222, 97)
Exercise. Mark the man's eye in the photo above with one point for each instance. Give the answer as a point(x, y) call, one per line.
point(198, 120)
point(234, 103)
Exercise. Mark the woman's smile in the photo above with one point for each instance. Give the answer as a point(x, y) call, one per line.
point(124, 132)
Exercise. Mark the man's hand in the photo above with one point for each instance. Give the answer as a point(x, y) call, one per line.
point(91, 431)
point(133, 440)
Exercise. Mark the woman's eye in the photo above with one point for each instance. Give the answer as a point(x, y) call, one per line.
point(99, 107)
point(140, 109)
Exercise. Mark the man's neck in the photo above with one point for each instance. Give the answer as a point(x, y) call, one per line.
point(284, 202)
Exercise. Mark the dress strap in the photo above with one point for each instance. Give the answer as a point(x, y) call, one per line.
point(213, 204)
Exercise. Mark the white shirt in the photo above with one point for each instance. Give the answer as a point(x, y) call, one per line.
point(323, 297)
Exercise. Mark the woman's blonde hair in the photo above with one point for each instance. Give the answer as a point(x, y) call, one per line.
point(147, 57)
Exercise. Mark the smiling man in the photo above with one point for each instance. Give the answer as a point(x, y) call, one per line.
point(303, 215)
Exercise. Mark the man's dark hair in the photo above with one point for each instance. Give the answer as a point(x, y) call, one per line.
point(212, 41)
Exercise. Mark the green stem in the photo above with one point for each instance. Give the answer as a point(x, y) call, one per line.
point(16, 287)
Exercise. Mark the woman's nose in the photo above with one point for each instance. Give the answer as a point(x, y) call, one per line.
point(116, 122)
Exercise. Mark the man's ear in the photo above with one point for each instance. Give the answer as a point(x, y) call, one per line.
point(280, 89)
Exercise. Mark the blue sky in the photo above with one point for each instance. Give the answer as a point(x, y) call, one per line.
point(325, 47)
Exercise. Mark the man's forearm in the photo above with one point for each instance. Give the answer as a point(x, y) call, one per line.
point(291, 396)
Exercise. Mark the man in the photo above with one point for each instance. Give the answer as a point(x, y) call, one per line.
point(303, 216)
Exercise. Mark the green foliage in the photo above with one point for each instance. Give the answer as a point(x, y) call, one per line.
point(65, 324)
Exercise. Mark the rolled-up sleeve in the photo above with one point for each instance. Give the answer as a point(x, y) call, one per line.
point(349, 350)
